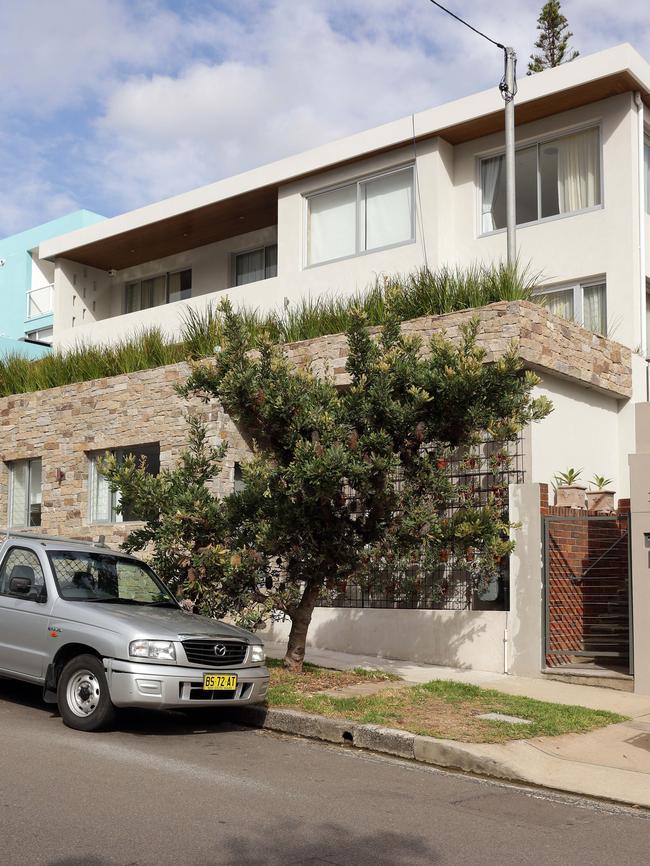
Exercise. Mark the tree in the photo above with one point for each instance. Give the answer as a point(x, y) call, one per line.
point(186, 531)
point(346, 482)
point(553, 39)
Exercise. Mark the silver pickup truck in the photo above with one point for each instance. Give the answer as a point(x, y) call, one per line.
point(99, 630)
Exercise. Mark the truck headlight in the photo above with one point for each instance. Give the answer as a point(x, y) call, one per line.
point(257, 653)
point(153, 649)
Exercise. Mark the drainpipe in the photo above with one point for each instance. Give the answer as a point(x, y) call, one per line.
point(642, 218)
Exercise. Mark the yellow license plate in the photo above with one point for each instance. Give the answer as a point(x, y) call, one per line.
point(219, 682)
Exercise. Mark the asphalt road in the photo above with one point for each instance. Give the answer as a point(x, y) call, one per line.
point(168, 790)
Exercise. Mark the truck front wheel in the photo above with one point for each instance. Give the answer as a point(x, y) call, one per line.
point(82, 695)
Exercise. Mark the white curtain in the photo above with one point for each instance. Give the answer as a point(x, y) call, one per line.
point(490, 174)
point(387, 210)
point(593, 309)
point(578, 170)
point(101, 497)
point(332, 224)
point(19, 484)
point(559, 303)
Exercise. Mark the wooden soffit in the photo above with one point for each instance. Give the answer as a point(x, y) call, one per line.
point(194, 228)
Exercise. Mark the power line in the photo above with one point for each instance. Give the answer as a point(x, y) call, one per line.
point(507, 94)
point(453, 15)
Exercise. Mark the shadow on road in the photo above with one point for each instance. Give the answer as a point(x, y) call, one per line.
point(136, 722)
point(25, 695)
point(328, 845)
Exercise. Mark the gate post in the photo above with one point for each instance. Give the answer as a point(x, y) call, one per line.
point(525, 632)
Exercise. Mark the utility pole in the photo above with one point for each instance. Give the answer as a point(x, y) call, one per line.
point(508, 90)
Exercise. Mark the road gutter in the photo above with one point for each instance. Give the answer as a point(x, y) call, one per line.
point(519, 761)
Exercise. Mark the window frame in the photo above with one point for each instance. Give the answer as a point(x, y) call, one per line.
point(92, 457)
point(537, 142)
point(140, 280)
point(233, 264)
point(43, 592)
point(358, 181)
point(578, 288)
point(10, 464)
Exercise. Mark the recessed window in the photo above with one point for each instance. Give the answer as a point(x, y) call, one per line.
point(583, 303)
point(42, 335)
point(25, 492)
point(367, 215)
point(156, 291)
point(238, 479)
point(104, 503)
point(254, 265)
point(552, 178)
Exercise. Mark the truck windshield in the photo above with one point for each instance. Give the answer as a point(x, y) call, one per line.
point(103, 577)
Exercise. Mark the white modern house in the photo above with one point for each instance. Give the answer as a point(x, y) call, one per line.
point(428, 189)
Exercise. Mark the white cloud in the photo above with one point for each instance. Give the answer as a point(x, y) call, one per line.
point(147, 99)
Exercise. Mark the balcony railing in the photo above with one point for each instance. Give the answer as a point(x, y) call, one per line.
point(40, 302)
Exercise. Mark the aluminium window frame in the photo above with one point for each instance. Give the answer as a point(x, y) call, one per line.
point(255, 249)
point(92, 457)
point(10, 464)
point(358, 181)
point(537, 141)
point(139, 280)
point(578, 288)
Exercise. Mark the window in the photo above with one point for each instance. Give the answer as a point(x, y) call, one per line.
point(256, 265)
point(156, 291)
point(359, 217)
point(554, 177)
point(103, 502)
point(238, 479)
point(583, 303)
point(21, 575)
point(104, 577)
point(25, 496)
point(43, 335)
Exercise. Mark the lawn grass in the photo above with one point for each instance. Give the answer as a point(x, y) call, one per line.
point(442, 708)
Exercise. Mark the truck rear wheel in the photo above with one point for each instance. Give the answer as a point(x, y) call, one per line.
point(82, 695)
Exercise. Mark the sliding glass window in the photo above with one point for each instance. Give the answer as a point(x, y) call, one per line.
point(369, 214)
point(552, 178)
point(583, 303)
point(156, 291)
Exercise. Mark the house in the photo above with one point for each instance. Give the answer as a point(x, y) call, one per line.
point(27, 286)
point(425, 190)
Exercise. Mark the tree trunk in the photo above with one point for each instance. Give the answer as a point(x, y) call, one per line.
point(300, 619)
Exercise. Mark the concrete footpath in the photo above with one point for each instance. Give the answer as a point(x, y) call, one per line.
point(612, 763)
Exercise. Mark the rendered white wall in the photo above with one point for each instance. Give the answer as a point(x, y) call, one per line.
point(600, 242)
point(582, 432)
point(453, 638)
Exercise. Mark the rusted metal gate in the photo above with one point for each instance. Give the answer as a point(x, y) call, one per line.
point(587, 591)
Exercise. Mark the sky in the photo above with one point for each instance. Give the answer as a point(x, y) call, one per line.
point(112, 104)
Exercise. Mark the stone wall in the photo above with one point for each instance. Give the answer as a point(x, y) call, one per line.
point(64, 425)
point(544, 342)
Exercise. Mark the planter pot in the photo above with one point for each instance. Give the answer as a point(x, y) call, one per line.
point(601, 500)
point(571, 496)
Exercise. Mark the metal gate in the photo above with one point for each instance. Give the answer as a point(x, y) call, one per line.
point(587, 591)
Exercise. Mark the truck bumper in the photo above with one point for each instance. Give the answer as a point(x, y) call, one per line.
point(167, 686)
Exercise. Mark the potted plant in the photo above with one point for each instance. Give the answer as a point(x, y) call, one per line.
point(568, 493)
point(600, 499)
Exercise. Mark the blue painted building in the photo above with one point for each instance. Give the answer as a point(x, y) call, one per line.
point(26, 286)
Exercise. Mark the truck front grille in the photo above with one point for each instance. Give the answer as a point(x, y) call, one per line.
point(209, 653)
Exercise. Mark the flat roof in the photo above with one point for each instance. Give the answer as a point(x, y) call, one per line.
point(248, 201)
